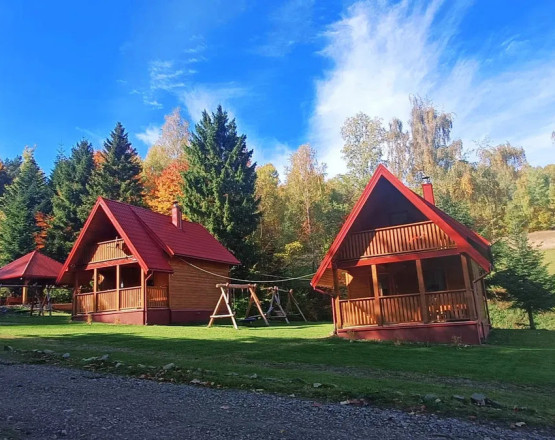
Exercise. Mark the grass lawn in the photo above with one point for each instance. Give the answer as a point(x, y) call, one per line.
point(550, 259)
point(516, 367)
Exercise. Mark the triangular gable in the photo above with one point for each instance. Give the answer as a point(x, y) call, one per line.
point(459, 233)
point(148, 253)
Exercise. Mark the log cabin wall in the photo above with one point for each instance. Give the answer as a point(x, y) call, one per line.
point(359, 283)
point(193, 289)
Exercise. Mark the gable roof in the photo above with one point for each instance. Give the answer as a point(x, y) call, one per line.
point(467, 240)
point(33, 265)
point(152, 237)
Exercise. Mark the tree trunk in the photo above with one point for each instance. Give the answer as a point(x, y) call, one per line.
point(531, 319)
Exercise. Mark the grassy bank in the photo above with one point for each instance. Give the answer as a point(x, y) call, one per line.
point(515, 368)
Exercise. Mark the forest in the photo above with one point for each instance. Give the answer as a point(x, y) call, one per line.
point(281, 225)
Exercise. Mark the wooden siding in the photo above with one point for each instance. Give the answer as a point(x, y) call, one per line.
point(415, 237)
point(191, 288)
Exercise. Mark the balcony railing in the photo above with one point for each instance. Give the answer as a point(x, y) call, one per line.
point(445, 306)
point(129, 298)
point(106, 251)
point(414, 237)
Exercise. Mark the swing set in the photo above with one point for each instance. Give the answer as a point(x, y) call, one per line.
point(275, 309)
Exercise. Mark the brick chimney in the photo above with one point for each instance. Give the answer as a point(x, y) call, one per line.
point(428, 192)
point(177, 218)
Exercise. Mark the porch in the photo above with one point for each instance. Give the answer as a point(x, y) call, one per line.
point(429, 299)
point(118, 288)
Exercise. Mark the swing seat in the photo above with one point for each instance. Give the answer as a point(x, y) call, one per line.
point(249, 319)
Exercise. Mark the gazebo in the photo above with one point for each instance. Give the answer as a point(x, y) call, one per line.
point(34, 269)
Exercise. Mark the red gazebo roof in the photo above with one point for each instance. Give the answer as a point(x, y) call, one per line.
point(34, 265)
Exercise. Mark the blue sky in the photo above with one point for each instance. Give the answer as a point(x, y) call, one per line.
point(290, 72)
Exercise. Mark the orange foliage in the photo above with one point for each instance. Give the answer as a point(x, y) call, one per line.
point(97, 157)
point(43, 222)
point(166, 188)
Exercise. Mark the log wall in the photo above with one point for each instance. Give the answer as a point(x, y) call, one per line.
point(191, 288)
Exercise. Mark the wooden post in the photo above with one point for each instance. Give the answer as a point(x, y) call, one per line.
point(117, 287)
point(143, 296)
point(75, 290)
point(376, 288)
point(25, 293)
point(422, 290)
point(337, 296)
point(95, 288)
point(335, 281)
point(468, 287)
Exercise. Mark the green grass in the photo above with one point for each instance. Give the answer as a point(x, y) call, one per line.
point(550, 259)
point(515, 368)
point(504, 317)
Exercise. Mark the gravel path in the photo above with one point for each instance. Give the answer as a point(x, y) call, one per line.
point(45, 402)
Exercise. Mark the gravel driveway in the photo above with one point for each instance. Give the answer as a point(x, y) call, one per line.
point(45, 402)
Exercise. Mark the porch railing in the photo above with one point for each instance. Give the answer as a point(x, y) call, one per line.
point(106, 251)
point(157, 297)
point(129, 298)
point(413, 237)
point(445, 306)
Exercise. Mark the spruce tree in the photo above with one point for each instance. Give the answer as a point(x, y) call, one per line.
point(522, 272)
point(220, 184)
point(118, 175)
point(69, 184)
point(26, 197)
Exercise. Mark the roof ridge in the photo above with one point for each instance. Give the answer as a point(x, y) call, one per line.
point(32, 253)
point(145, 209)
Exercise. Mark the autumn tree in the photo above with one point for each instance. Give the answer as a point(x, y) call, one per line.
point(23, 200)
point(69, 184)
point(304, 191)
point(431, 148)
point(165, 163)
point(118, 174)
point(363, 139)
point(270, 228)
point(220, 184)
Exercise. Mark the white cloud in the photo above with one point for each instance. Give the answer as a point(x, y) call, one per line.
point(383, 53)
point(208, 97)
point(150, 135)
point(165, 76)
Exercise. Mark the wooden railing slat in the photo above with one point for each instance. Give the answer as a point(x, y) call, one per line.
point(397, 309)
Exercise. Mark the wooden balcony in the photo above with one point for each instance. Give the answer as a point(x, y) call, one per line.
point(414, 237)
point(445, 306)
point(130, 298)
point(106, 251)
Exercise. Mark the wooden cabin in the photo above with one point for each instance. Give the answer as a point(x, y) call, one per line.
point(402, 269)
point(135, 266)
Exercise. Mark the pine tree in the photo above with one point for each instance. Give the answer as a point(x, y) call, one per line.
point(9, 169)
point(22, 201)
point(522, 272)
point(220, 184)
point(69, 183)
point(118, 174)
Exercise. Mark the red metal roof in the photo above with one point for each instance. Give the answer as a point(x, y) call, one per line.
point(153, 238)
point(34, 265)
point(467, 240)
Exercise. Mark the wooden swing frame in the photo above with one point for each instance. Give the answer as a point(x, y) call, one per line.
point(275, 300)
point(225, 297)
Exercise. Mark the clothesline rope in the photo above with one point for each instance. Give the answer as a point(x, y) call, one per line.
point(284, 280)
